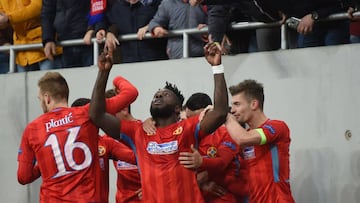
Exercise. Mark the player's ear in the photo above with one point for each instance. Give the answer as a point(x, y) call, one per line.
point(47, 98)
point(178, 109)
point(254, 104)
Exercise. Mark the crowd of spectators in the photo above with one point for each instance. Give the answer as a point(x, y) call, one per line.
point(51, 21)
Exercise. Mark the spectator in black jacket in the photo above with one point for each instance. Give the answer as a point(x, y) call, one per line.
point(314, 33)
point(219, 16)
point(128, 17)
point(66, 20)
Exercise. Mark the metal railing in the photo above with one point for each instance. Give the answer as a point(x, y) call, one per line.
point(173, 33)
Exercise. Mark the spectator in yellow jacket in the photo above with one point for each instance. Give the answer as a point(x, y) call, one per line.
point(24, 18)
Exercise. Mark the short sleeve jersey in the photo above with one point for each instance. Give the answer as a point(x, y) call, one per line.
point(64, 143)
point(163, 178)
point(268, 164)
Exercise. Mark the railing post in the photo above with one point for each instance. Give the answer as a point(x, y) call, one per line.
point(12, 60)
point(284, 36)
point(95, 52)
point(185, 45)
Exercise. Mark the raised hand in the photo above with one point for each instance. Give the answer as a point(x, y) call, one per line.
point(105, 61)
point(212, 52)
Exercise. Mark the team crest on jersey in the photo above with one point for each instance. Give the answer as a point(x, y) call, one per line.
point(249, 153)
point(178, 131)
point(162, 148)
point(122, 165)
point(211, 152)
point(102, 150)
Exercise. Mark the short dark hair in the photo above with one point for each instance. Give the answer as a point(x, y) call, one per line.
point(176, 91)
point(197, 101)
point(252, 90)
point(110, 93)
point(80, 102)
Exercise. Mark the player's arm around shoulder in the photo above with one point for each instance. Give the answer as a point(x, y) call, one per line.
point(241, 136)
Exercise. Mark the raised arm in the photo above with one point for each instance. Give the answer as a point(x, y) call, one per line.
point(107, 122)
point(127, 94)
point(215, 118)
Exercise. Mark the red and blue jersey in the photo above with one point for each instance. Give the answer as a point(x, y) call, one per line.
point(163, 178)
point(268, 164)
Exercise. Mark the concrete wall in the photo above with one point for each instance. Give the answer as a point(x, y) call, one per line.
point(314, 90)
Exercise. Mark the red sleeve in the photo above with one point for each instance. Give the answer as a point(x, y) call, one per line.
point(274, 129)
point(128, 130)
point(128, 94)
point(119, 151)
point(27, 172)
point(227, 150)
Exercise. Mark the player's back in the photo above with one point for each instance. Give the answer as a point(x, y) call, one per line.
point(65, 145)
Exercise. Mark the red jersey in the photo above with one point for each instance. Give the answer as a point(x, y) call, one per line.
point(110, 148)
point(221, 160)
point(64, 142)
point(268, 165)
point(163, 178)
point(128, 179)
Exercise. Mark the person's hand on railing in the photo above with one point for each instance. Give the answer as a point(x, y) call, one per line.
point(111, 42)
point(205, 36)
point(88, 36)
point(100, 36)
point(50, 50)
point(306, 25)
point(160, 32)
point(282, 17)
point(225, 45)
point(350, 13)
point(142, 31)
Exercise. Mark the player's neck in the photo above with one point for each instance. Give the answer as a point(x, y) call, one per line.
point(257, 120)
point(58, 105)
point(163, 122)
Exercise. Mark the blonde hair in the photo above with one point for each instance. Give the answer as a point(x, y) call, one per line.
point(55, 85)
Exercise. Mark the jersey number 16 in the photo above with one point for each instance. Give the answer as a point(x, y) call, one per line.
point(69, 147)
